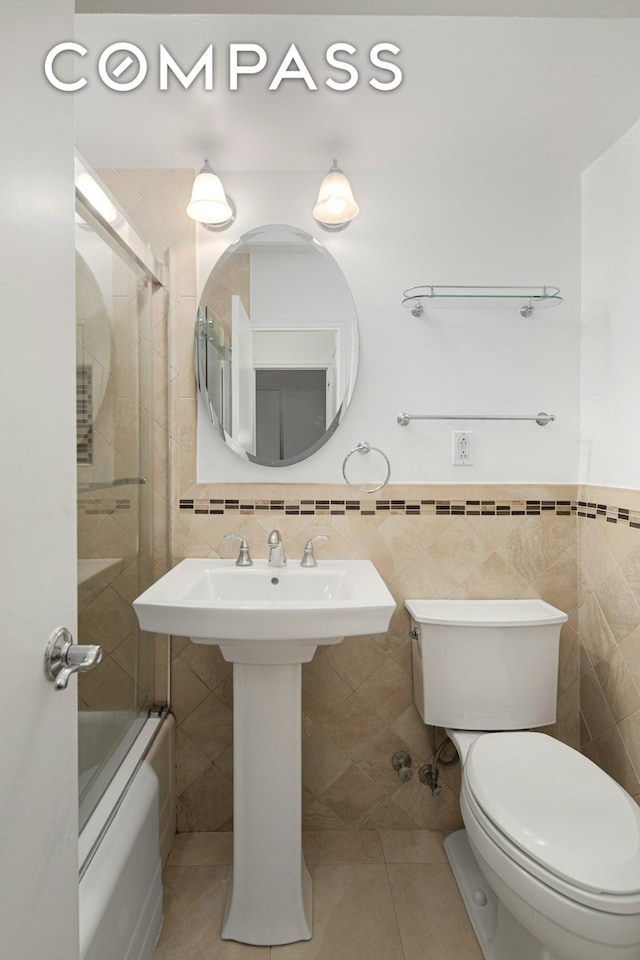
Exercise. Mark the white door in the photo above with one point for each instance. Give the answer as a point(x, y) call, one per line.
point(38, 772)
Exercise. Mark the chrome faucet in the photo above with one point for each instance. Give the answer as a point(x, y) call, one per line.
point(277, 556)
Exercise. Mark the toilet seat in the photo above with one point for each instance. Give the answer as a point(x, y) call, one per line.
point(528, 867)
point(559, 816)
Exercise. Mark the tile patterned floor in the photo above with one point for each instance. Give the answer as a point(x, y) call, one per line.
point(378, 895)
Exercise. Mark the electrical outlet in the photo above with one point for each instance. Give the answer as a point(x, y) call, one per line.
point(463, 448)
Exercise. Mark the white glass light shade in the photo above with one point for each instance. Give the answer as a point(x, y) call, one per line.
point(208, 202)
point(336, 206)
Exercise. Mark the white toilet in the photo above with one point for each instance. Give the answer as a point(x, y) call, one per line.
point(549, 863)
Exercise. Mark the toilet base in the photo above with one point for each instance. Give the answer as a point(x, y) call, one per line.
point(499, 934)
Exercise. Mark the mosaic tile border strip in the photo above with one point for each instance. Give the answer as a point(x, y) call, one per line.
point(84, 415)
point(91, 507)
point(371, 508)
point(413, 508)
point(623, 515)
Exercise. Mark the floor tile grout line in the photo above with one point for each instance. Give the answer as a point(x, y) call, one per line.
point(395, 912)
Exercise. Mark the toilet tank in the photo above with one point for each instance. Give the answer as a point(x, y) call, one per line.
point(485, 664)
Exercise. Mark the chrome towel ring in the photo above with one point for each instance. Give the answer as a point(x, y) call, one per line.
point(363, 448)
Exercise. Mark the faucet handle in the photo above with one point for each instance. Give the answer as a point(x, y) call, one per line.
point(308, 558)
point(274, 538)
point(244, 560)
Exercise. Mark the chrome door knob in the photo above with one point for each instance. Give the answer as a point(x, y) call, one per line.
point(63, 657)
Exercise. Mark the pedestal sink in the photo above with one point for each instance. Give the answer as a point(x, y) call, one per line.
point(267, 621)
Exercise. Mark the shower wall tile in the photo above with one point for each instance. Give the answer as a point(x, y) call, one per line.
point(140, 179)
point(154, 200)
point(108, 688)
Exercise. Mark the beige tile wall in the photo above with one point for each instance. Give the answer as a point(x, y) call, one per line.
point(357, 696)
point(608, 621)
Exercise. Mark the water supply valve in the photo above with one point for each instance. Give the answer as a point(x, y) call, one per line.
point(401, 762)
point(429, 777)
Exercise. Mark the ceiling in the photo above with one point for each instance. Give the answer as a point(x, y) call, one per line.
point(499, 93)
point(476, 8)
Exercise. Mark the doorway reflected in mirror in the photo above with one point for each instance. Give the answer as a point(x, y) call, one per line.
point(276, 345)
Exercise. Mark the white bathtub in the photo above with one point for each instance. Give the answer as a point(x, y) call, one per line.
point(102, 734)
point(121, 850)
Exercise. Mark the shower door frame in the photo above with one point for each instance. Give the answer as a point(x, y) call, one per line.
point(122, 237)
point(126, 242)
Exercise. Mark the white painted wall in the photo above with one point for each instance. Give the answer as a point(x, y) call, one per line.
point(610, 355)
point(38, 747)
point(451, 227)
point(293, 348)
point(306, 289)
point(297, 287)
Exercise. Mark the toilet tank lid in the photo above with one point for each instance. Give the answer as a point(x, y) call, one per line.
point(485, 613)
point(559, 808)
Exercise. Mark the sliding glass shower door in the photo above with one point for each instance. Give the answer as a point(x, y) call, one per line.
point(114, 505)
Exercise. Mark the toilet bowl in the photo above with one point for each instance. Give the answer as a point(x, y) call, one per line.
point(549, 862)
point(558, 842)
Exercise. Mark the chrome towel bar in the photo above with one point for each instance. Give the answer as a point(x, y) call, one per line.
point(542, 419)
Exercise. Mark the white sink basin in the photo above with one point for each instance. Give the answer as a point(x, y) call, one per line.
point(276, 586)
point(214, 601)
point(267, 621)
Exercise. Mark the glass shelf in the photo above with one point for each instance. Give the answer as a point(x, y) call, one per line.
point(524, 299)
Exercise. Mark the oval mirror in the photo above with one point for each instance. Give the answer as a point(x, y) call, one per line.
point(276, 345)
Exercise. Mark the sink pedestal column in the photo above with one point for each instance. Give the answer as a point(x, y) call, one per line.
point(267, 621)
point(270, 899)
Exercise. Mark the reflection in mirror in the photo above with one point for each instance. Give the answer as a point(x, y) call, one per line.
point(276, 345)
point(93, 335)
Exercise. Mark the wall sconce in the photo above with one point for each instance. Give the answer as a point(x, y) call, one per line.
point(335, 207)
point(209, 204)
